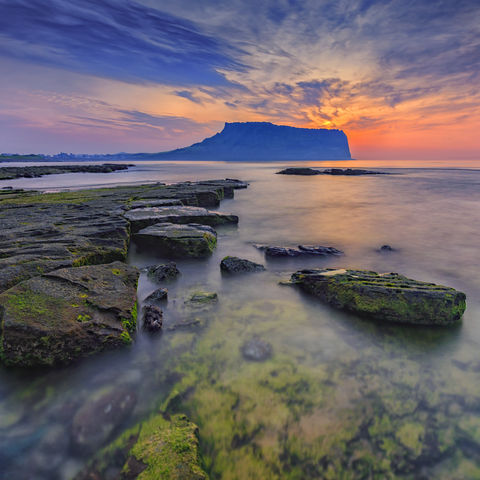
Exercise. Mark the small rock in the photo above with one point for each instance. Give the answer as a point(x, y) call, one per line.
point(239, 265)
point(152, 318)
point(164, 271)
point(386, 248)
point(157, 296)
point(298, 171)
point(256, 350)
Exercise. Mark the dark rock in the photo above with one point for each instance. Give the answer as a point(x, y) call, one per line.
point(329, 171)
point(388, 297)
point(67, 314)
point(256, 350)
point(298, 171)
point(350, 171)
point(95, 422)
point(152, 318)
point(163, 272)
point(238, 265)
point(9, 173)
point(302, 250)
point(157, 296)
point(318, 250)
point(178, 241)
point(143, 217)
point(386, 248)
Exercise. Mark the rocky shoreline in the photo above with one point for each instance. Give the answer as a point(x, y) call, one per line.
point(10, 173)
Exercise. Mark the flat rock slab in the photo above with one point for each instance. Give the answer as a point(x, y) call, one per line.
point(388, 297)
point(143, 217)
point(178, 241)
point(67, 314)
point(239, 265)
point(302, 250)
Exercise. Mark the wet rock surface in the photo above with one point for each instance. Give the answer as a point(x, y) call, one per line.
point(68, 314)
point(386, 249)
point(44, 232)
point(302, 250)
point(9, 173)
point(178, 241)
point(152, 318)
point(239, 265)
point(257, 350)
point(388, 297)
point(329, 171)
point(163, 272)
point(144, 217)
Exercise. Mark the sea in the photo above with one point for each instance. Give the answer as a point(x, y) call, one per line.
point(340, 397)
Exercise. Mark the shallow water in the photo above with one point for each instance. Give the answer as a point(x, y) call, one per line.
point(341, 397)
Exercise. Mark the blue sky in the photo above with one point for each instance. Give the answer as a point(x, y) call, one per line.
point(104, 76)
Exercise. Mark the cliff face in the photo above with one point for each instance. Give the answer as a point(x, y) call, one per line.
point(266, 141)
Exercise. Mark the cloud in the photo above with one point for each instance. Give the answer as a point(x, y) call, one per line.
point(188, 95)
point(116, 39)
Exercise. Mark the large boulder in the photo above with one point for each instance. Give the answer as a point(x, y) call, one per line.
point(239, 265)
point(387, 297)
point(178, 241)
point(67, 314)
point(143, 217)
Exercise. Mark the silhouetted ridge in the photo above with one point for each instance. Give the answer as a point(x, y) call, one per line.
point(266, 141)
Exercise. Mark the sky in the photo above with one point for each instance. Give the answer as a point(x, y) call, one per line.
point(400, 77)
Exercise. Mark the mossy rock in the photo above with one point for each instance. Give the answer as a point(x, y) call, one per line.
point(178, 241)
point(164, 448)
point(67, 314)
point(386, 297)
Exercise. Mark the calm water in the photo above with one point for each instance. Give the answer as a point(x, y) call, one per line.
point(341, 397)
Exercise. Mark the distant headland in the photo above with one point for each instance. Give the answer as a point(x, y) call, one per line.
point(254, 141)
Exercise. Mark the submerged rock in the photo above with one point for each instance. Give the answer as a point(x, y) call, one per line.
point(152, 318)
point(239, 265)
point(94, 422)
point(302, 250)
point(202, 298)
point(67, 314)
point(157, 296)
point(163, 272)
point(159, 448)
point(256, 350)
point(179, 241)
point(387, 297)
point(143, 217)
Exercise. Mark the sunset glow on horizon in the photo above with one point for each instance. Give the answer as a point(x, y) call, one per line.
point(400, 78)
